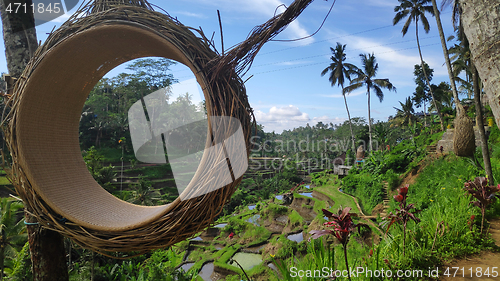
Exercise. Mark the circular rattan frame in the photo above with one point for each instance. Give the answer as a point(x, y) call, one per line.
point(59, 78)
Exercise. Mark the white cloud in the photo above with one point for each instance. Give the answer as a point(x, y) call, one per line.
point(397, 60)
point(295, 31)
point(278, 114)
point(283, 118)
point(266, 9)
point(390, 56)
point(189, 14)
point(289, 117)
point(327, 120)
point(382, 3)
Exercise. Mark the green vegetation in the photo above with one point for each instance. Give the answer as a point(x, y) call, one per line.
point(438, 223)
point(340, 198)
point(4, 181)
point(446, 230)
point(365, 187)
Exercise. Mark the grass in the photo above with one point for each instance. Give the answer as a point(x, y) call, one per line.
point(4, 181)
point(154, 172)
point(272, 211)
point(257, 234)
point(438, 193)
point(339, 198)
point(295, 220)
point(112, 154)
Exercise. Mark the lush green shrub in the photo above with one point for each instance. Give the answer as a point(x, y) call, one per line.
point(274, 210)
point(444, 231)
point(494, 137)
point(21, 265)
point(393, 179)
point(366, 187)
point(320, 178)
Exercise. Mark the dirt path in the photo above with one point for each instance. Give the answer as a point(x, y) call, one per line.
point(485, 261)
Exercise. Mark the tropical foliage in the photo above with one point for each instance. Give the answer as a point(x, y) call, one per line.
point(339, 70)
point(365, 76)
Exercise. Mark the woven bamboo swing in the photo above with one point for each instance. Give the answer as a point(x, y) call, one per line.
point(42, 119)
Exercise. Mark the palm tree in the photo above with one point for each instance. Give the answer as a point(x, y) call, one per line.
point(484, 48)
point(463, 62)
point(415, 11)
point(421, 94)
point(443, 94)
point(406, 114)
point(46, 246)
point(145, 194)
point(382, 133)
point(366, 77)
point(446, 57)
point(460, 61)
point(12, 230)
point(339, 70)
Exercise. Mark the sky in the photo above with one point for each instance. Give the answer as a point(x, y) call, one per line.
point(285, 87)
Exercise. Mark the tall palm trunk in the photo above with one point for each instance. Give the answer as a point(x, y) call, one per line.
point(19, 39)
point(350, 123)
point(480, 125)
point(369, 122)
point(46, 246)
point(427, 78)
point(447, 57)
point(480, 20)
point(425, 115)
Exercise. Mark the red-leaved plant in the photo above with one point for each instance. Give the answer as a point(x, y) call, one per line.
point(343, 227)
point(403, 212)
point(484, 193)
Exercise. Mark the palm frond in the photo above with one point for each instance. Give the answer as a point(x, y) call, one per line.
point(352, 87)
point(399, 15)
point(378, 92)
point(326, 70)
point(385, 83)
point(429, 9)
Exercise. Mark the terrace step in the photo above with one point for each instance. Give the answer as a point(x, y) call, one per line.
point(431, 148)
point(447, 139)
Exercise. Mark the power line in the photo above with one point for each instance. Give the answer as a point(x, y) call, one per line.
point(315, 56)
point(325, 40)
point(311, 64)
point(316, 42)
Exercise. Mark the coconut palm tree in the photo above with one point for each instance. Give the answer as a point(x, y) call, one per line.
point(465, 63)
point(366, 77)
point(447, 57)
point(421, 95)
point(46, 246)
point(145, 194)
point(406, 114)
point(460, 62)
point(339, 71)
point(414, 11)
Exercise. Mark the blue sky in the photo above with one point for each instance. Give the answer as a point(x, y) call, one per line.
point(286, 89)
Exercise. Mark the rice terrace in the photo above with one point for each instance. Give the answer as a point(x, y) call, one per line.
point(238, 140)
